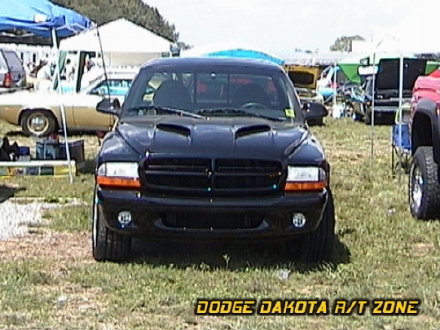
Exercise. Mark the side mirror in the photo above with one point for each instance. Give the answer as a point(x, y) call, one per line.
point(314, 111)
point(109, 106)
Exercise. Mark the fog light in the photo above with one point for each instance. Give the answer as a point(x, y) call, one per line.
point(124, 217)
point(298, 220)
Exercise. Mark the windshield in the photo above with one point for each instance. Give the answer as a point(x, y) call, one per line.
point(207, 93)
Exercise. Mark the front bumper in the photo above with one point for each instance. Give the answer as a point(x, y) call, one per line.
point(385, 109)
point(390, 105)
point(155, 215)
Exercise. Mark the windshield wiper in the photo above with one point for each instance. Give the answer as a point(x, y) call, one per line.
point(157, 108)
point(234, 111)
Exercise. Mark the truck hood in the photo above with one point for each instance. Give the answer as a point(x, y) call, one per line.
point(233, 137)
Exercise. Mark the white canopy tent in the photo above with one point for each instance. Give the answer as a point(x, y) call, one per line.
point(123, 43)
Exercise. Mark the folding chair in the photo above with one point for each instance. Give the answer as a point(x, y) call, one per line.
point(400, 148)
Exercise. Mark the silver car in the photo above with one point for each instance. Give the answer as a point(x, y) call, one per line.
point(39, 112)
point(12, 74)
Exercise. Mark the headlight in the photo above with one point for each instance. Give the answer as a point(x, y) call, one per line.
point(302, 174)
point(305, 178)
point(120, 169)
point(118, 175)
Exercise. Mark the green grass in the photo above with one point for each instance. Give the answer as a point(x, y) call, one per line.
point(70, 218)
point(381, 252)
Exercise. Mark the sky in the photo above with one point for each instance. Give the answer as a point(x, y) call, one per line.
point(280, 26)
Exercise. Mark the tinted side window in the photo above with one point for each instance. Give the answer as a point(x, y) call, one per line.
point(3, 64)
point(14, 62)
point(117, 87)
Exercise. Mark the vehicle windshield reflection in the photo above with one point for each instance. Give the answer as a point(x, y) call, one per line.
point(238, 112)
point(156, 110)
point(225, 93)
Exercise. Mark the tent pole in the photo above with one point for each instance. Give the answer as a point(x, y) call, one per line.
point(399, 114)
point(400, 86)
point(103, 61)
point(372, 106)
point(335, 73)
point(63, 113)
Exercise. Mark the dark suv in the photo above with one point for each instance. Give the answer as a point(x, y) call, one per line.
point(12, 73)
point(212, 147)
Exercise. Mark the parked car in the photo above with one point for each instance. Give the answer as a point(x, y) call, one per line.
point(304, 78)
point(12, 73)
point(39, 112)
point(212, 147)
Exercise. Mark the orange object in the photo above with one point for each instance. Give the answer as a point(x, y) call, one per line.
point(302, 186)
point(115, 182)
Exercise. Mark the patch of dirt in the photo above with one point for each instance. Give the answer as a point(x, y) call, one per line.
point(421, 249)
point(47, 244)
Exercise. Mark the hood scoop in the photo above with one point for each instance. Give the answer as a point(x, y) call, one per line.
point(174, 128)
point(250, 130)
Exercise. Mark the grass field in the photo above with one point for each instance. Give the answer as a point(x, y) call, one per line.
point(49, 280)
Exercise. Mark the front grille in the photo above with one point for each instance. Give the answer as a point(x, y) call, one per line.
point(212, 220)
point(211, 177)
point(177, 173)
point(232, 174)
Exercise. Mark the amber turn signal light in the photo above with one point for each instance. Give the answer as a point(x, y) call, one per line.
point(115, 182)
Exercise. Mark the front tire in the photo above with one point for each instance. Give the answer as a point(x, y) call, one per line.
point(107, 245)
point(38, 123)
point(424, 188)
point(317, 246)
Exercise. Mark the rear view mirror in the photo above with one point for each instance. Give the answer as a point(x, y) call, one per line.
point(109, 106)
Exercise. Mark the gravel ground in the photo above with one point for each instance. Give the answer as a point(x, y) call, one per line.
point(18, 214)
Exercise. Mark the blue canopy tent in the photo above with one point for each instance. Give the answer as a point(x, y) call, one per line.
point(43, 18)
point(246, 53)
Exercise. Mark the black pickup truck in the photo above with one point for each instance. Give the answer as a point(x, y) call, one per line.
point(208, 148)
